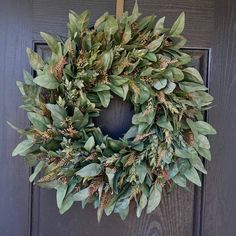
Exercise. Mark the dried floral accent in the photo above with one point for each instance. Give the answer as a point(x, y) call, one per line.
point(93, 187)
point(147, 80)
point(153, 151)
point(134, 87)
point(63, 179)
point(58, 69)
point(70, 132)
point(53, 159)
point(131, 159)
point(81, 61)
point(92, 156)
point(41, 156)
point(191, 112)
point(134, 26)
point(48, 178)
point(144, 38)
point(105, 199)
point(103, 77)
point(168, 136)
point(70, 48)
point(140, 137)
point(161, 152)
point(161, 96)
point(45, 136)
point(189, 137)
point(169, 105)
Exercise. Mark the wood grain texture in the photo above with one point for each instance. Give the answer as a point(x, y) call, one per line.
point(220, 195)
point(51, 16)
point(15, 28)
point(83, 221)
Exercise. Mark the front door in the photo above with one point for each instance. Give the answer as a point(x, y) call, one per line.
point(210, 210)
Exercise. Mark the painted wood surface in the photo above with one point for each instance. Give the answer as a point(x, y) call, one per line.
point(211, 31)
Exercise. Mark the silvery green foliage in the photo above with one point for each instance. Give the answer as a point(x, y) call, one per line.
point(139, 60)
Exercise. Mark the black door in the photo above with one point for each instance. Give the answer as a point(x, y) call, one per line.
point(210, 210)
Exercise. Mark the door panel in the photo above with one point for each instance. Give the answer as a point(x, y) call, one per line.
point(208, 211)
point(181, 208)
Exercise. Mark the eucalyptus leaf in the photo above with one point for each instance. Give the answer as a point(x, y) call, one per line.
point(141, 205)
point(164, 123)
point(28, 78)
point(154, 198)
point(193, 75)
point(155, 44)
point(101, 88)
point(204, 128)
point(135, 13)
point(127, 35)
point(180, 180)
point(192, 175)
point(110, 175)
point(46, 81)
point(107, 59)
point(160, 84)
point(159, 27)
point(90, 170)
point(81, 195)
point(205, 153)
point(191, 87)
point(173, 74)
point(58, 114)
point(186, 152)
point(61, 193)
point(35, 60)
point(169, 88)
point(104, 97)
point(22, 147)
point(37, 169)
point(197, 164)
point(117, 90)
point(141, 171)
point(178, 25)
point(90, 143)
point(39, 121)
point(52, 43)
point(111, 25)
point(100, 20)
point(203, 142)
point(151, 56)
point(66, 204)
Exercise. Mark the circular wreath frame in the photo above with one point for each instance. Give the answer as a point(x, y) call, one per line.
point(141, 61)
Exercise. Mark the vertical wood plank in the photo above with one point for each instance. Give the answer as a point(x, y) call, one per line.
point(15, 28)
point(220, 195)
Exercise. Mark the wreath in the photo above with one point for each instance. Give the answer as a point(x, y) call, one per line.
point(141, 61)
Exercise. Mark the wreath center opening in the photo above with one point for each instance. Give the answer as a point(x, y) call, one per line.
point(116, 119)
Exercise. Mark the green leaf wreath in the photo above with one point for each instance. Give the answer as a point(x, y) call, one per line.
point(141, 61)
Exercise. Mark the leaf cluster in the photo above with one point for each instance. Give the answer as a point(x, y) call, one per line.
point(141, 61)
